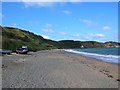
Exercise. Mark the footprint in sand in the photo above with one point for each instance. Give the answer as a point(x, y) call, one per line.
point(4, 66)
point(118, 80)
point(106, 72)
point(110, 76)
point(19, 61)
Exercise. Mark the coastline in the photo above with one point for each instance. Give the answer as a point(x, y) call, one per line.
point(99, 56)
point(57, 69)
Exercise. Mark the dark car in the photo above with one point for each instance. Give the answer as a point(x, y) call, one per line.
point(22, 50)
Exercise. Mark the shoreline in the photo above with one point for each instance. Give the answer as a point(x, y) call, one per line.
point(106, 58)
point(92, 58)
point(64, 69)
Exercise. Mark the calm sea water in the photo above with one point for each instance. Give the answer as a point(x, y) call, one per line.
point(104, 51)
point(106, 54)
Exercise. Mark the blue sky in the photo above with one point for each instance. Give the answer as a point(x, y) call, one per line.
point(81, 21)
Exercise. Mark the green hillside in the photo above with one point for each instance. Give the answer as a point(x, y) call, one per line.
point(13, 38)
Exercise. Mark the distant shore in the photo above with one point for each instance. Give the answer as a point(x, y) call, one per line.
point(57, 69)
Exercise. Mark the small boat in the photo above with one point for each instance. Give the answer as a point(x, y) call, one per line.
point(22, 50)
point(5, 51)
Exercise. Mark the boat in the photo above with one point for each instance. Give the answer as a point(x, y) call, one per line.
point(22, 50)
point(5, 51)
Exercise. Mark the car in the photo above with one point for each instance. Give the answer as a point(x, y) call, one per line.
point(22, 50)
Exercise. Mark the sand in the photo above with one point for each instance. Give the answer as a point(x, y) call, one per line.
point(57, 69)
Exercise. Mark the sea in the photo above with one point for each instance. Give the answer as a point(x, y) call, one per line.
point(110, 54)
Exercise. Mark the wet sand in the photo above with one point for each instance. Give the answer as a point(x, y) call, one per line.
point(57, 69)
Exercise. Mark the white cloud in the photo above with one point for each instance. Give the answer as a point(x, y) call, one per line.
point(66, 12)
point(14, 25)
point(38, 4)
point(63, 33)
point(38, 0)
point(76, 35)
point(50, 0)
point(106, 28)
point(61, 0)
point(88, 22)
point(48, 28)
point(49, 25)
point(45, 3)
point(75, 0)
point(45, 37)
point(88, 38)
point(97, 35)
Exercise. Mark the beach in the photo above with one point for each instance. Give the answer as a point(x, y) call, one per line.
point(57, 69)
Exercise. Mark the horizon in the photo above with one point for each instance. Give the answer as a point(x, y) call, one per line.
point(79, 21)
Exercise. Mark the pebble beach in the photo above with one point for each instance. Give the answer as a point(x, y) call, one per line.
point(57, 69)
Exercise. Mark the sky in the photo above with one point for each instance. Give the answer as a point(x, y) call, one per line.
point(83, 21)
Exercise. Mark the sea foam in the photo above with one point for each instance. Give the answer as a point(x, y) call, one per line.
point(106, 58)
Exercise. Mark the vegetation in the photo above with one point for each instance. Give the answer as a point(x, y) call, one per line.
point(13, 38)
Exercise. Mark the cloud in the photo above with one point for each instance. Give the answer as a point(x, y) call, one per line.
point(88, 22)
point(45, 37)
point(63, 33)
point(38, 0)
point(14, 25)
point(49, 25)
point(66, 12)
point(75, 0)
point(48, 28)
point(46, 3)
point(106, 28)
point(97, 35)
point(50, 0)
point(76, 35)
point(37, 4)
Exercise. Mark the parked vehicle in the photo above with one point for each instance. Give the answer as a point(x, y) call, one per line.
point(22, 50)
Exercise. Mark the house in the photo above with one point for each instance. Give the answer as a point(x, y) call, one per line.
point(82, 46)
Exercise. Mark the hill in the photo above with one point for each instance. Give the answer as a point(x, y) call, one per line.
point(15, 37)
